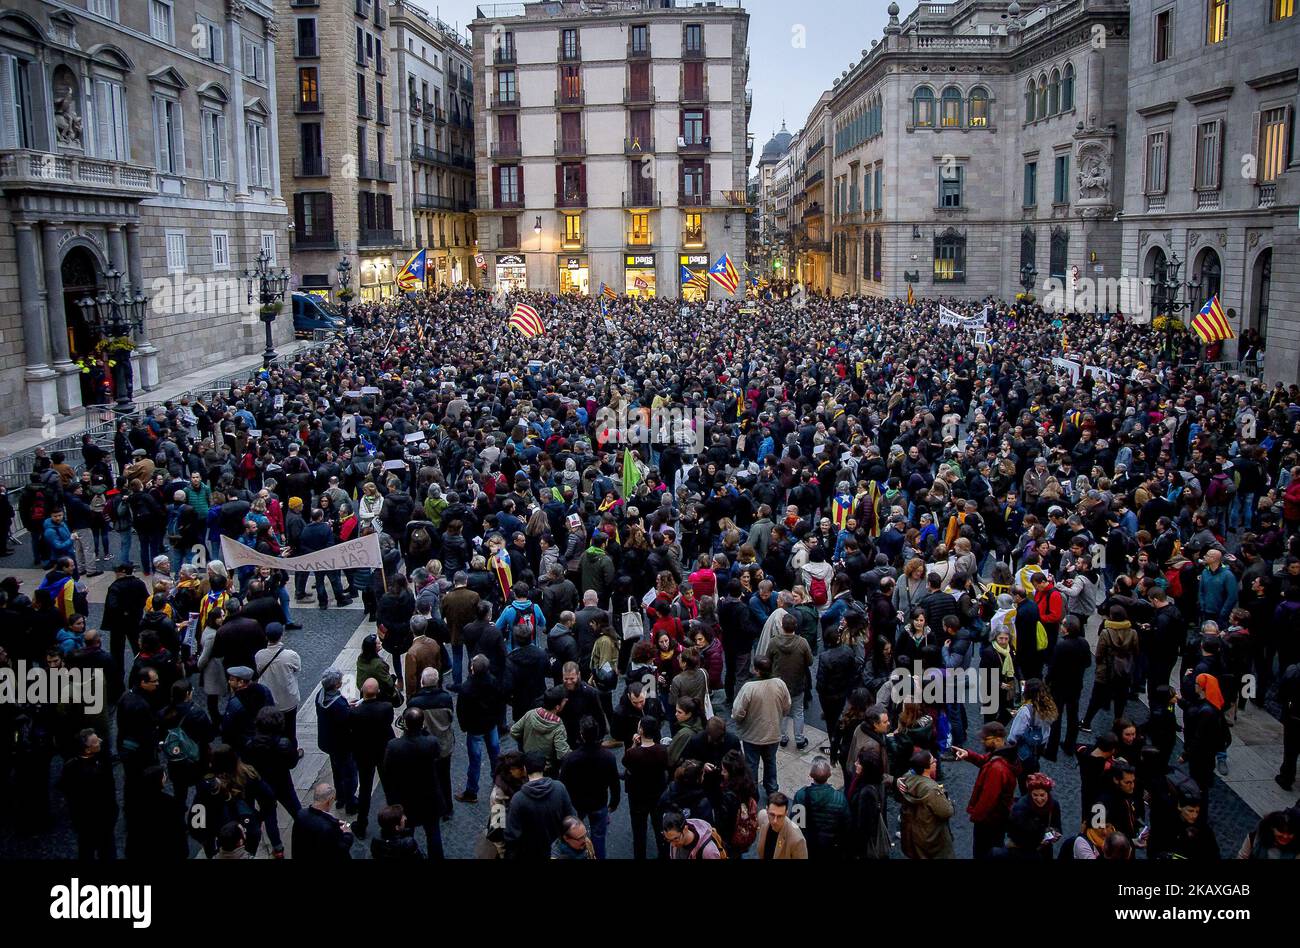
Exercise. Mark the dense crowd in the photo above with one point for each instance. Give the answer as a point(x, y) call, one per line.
point(638, 549)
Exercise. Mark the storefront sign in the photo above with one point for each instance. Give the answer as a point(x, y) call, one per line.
point(695, 259)
point(510, 260)
point(639, 260)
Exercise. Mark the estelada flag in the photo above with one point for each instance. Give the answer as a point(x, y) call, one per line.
point(411, 276)
point(724, 274)
point(1211, 324)
point(526, 320)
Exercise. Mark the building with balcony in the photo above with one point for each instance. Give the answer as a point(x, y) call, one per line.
point(611, 143)
point(809, 238)
point(1214, 176)
point(137, 138)
point(436, 141)
point(773, 153)
point(342, 158)
point(975, 137)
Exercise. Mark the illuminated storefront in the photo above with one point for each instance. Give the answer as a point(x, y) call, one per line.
point(378, 279)
point(639, 275)
point(574, 275)
point(698, 265)
point(512, 273)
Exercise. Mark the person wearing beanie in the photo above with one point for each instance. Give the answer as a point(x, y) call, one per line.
point(277, 667)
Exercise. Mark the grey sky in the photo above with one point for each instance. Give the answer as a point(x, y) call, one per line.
point(796, 49)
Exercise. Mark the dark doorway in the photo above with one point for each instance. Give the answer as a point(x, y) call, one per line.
point(81, 279)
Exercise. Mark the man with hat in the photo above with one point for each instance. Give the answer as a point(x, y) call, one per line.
point(247, 697)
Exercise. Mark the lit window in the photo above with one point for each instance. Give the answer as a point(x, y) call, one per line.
point(1216, 22)
point(923, 108)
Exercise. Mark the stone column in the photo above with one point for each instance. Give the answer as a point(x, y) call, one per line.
point(272, 126)
point(68, 384)
point(145, 357)
point(235, 112)
point(42, 394)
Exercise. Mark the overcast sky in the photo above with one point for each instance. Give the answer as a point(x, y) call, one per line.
point(796, 49)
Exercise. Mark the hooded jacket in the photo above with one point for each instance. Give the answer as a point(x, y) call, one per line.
point(926, 811)
point(1117, 649)
point(534, 818)
point(541, 731)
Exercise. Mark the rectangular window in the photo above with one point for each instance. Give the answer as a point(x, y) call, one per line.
point(569, 44)
point(508, 176)
point(220, 250)
point(15, 103)
point(168, 136)
point(308, 88)
point(693, 127)
point(177, 258)
point(1216, 21)
point(693, 80)
point(950, 261)
point(506, 85)
point(361, 46)
point(1272, 145)
point(640, 40)
point(950, 187)
point(268, 247)
point(214, 145)
point(307, 45)
point(1061, 186)
point(1157, 162)
point(1282, 10)
point(105, 8)
point(694, 38)
point(570, 83)
point(160, 21)
point(693, 182)
point(1031, 184)
point(640, 233)
point(108, 127)
point(1164, 36)
point(694, 235)
point(509, 232)
point(254, 60)
point(259, 165)
point(1209, 152)
point(573, 230)
point(880, 188)
point(213, 41)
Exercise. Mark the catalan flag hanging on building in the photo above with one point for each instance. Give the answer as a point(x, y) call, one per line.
point(696, 281)
point(526, 320)
point(1211, 324)
point(724, 274)
point(411, 277)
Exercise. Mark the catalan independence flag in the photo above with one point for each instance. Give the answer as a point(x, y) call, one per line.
point(724, 274)
point(608, 292)
point(694, 280)
point(411, 277)
point(841, 510)
point(911, 297)
point(526, 320)
point(61, 590)
point(1211, 324)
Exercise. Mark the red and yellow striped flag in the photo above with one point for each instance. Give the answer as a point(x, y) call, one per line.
point(1211, 324)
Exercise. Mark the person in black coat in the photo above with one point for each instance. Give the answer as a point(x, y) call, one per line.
point(396, 841)
point(590, 774)
point(91, 794)
point(481, 637)
point(411, 780)
point(524, 679)
point(393, 615)
point(1028, 656)
point(581, 700)
point(317, 835)
point(371, 727)
point(709, 746)
point(837, 673)
point(1070, 660)
point(137, 730)
point(123, 609)
point(155, 821)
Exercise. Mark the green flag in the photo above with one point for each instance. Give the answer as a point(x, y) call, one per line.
point(631, 476)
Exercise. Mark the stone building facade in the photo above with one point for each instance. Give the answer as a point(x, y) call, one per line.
point(975, 138)
point(611, 141)
point(809, 236)
point(138, 138)
point(435, 158)
point(337, 110)
point(1215, 177)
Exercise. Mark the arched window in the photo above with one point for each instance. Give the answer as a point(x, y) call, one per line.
point(1029, 101)
point(1028, 250)
point(923, 108)
point(1059, 253)
point(1209, 273)
point(950, 108)
point(979, 107)
point(866, 256)
point(950, 257)
point(1067, 88)
point(1054, 93)
point(1042, 97)
point(878, 240)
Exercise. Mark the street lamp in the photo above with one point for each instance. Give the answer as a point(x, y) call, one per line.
point(113, 313)
point(270, 285)
point(344, 268)
point(1027, 276)
point(1165, 289)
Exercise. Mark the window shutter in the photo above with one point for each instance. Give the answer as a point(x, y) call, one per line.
point(217, 38)
point(496, 186)
point(559, 182)
point(158, 135)
point(264, 154)
point(1257, 146)
point(706, 123)
point(1288, 129)
point(582, 179)
point(1220, 129)
point(706, 189)
point(325, 209)
point(105, 145)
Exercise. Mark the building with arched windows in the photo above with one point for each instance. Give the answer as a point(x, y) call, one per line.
point(957, 144)
point(1215, 179)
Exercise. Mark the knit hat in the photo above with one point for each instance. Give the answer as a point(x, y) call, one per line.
point(295, 504)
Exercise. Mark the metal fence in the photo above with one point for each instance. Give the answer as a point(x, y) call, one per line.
point(1250, 368)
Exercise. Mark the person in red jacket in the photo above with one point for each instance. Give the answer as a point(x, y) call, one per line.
point(994, 790)
point(1291, 502)
point(1051, 607)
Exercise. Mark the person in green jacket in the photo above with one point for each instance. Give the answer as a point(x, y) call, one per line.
point(198, 495)
point(370, 664)
point(541, 731)
point(596, 568)
point(690, 721)
point(823, 813)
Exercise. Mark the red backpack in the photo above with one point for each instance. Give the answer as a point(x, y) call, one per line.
point(817, 589)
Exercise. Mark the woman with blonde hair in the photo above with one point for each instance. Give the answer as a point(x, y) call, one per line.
point(911, 586)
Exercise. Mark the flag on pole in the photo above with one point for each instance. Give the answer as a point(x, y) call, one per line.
point(1211, 324)
point(911, 297)
point(631, 474)
point(696, 281)
point(724, 273)
point(411, 277)
point(608, 292)
point(526, 320)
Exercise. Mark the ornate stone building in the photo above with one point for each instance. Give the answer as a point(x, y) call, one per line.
point(136, 137)
point(977, 138)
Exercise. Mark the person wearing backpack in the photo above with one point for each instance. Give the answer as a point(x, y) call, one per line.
point(816, 575)
point(1116, 656)
point(522, 614)
point(34, 505)
point(691, 839)
point(187, 739)
point(561, 645)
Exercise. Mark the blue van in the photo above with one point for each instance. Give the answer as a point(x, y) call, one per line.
point(311, 312)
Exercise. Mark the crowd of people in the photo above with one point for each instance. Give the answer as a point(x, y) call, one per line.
point(627, 559)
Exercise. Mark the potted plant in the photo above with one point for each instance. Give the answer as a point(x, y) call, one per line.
point(270, 310)
point(346, 295)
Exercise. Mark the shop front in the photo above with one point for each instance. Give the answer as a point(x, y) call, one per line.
point(639, 275)
point(378, 279)
point(574, 275)
point(695, 287)
point(512, 273)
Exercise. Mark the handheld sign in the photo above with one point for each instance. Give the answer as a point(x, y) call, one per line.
point(414, 436)
point(394, 465)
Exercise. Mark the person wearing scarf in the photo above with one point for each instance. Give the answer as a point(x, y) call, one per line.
point(1205, 732)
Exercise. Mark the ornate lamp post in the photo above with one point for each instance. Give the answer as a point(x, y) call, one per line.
point(114, 312)
point(1166, 286)
point(344, 269)
point(270, 285)
point(1027, 277)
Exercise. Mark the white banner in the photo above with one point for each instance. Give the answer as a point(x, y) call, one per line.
point(354, 554)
